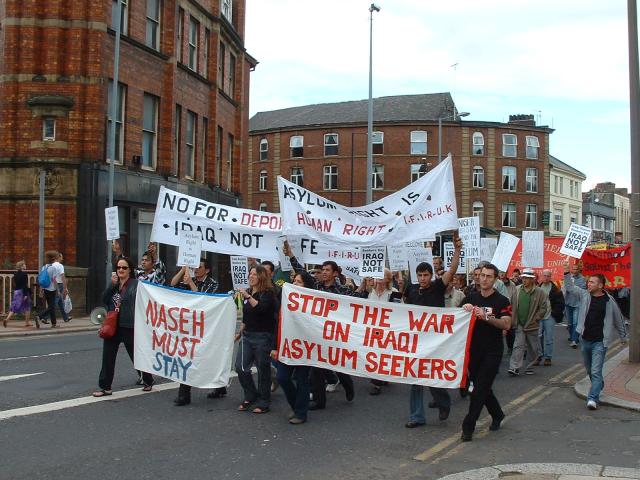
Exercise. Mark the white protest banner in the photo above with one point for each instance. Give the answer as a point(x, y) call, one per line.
point(239, 271)
point(448, 257)
point(487, 248)
point(224, 229)
point(372, 261)
point(189, 250)
point(112, 223)
point(532, 249)
point(417, 255)
point(184, 336)
point(507, 244)
point(420, 210)
point(469, 232)
point(352, 273)
point(285, 263)
point(386, 341)
point(308, 250)
point(575, 241)
point(397, 256)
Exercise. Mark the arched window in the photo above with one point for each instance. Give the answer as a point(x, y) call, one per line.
point(478, 143)
point(263, 206)
point(264, 149)
point(478, 211)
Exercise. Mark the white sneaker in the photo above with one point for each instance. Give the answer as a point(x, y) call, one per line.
point(592, 405)
point(331, 387)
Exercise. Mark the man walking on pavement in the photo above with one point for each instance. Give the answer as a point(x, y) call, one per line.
point(572, 301)
point(599, 319)
point(555, 313)
point(530, 305)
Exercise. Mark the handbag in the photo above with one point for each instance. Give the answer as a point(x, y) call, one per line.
point(110, 324)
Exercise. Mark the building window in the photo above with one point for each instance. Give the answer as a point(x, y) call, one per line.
point(573, 218)
point(418, 142)
point(229, 161)
point(226, 8)
point(222, 58)
point(509, 145)
point(180, 36)
point(120, 109)
point(531, 216)
point(219, 137)
point(205, 147)
point(190, 142)
point(478, 211)
point(149, 130)
point(194, 27)
point(296, 146)
point(297, 176)
point(263, 206)
point(264, 149)
point(478, 143)
point(207, 41)
point(377, 142)
point(509, 215)
point(152, 38)
point(418, 170)
point(509, 178)
point(262, 182)
point(533, 144)
point(557, 220)
point(49, 129)
point(177, 134)
point(557, 185)
point(124, 16)
point(478, 177)
point(330, 180)
point(532, 180)
point(232, 76)
point(598, 223)
point(377, 177)
point(330, 144)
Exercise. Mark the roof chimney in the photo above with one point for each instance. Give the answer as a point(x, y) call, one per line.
point(527, 120)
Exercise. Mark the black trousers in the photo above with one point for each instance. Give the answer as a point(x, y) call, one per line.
point(109, 354)
point(50, 297)
point(184, 391)
point(319, 384)
point(483, 368)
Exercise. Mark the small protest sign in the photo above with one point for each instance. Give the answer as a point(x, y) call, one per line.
point(533, 249)
point(112, 222)
point(469, 232)
point(190, 249)
point(372, 261)
point(504, 251)
point(397, 256)
point(239, 271)
point(575, 241)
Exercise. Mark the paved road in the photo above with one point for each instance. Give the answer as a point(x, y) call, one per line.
point(146, 437)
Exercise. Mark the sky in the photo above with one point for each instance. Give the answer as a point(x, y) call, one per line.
point(564, 61)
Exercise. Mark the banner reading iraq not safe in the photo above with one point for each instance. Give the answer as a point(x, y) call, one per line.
point(184, 336)
point(418, 211)
point(382, 340)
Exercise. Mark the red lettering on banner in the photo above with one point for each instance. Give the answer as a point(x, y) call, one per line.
point(269, 222)
point(400, 341)
point(401, 366)
point(427, 322)
point(175, 319)
point(372, 315)
point(335, 331)
point(174, 345)
point(310, 304)
point(320, 225)
point(297, 349)
point(361, 231)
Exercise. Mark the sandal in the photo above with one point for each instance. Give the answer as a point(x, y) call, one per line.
point(147, 388)
point(102, 393)
point(244, 406)
point(260, 410)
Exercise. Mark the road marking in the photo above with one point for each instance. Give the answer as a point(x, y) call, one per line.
point(13, 377)
point(34, 356)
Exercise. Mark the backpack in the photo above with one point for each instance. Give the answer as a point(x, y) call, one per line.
point(44, 280)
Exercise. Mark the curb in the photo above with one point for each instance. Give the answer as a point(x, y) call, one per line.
point(48, 331)
point(515, 470)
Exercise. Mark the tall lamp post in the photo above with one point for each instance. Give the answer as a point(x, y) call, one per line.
point(452, 116)
point(369, 197)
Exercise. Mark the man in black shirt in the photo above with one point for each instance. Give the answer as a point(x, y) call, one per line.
point(430, 293)
point(493, 315)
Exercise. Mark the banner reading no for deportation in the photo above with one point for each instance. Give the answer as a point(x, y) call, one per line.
point(386, 341)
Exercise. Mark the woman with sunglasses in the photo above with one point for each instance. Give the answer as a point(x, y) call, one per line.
point(122, 293)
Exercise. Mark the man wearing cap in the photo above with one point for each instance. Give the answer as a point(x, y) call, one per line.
point(530, 306)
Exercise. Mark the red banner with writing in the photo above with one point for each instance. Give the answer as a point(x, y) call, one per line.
point(614, 264)
point(553, 260)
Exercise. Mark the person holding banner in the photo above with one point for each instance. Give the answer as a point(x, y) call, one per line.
point(257, 340)
point(151, 269)
point(429, 292)
point(492, 315)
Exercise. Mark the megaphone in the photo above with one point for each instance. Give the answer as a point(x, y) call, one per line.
point(98, 315)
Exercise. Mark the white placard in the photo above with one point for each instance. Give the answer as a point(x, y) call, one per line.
point(469, 232)
point(189, 250)
point(285, 263)
point(504, 251)
point(372, 261)
point(449, 250)
point(575, 241)
point(112, 222)
point(417, 255)
point(239, 271)
point(533, 249)
point(487, 248)
point(397, 255)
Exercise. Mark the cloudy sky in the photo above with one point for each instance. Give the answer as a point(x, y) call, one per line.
point(565, 61)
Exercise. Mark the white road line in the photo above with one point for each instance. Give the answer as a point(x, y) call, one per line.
point(34, 356)
point(13, 377)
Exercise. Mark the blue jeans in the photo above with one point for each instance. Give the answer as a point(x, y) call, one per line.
point(593, 354)
point(546, 336)
point(297, 393)
point(572, 322)
point(416, 403)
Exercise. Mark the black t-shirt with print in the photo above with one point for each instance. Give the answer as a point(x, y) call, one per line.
point(486, 337)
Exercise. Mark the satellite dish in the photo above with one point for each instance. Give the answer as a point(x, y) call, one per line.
point(98, 315)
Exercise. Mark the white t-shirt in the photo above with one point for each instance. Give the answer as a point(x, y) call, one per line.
point(59, 272)
point(55, 270)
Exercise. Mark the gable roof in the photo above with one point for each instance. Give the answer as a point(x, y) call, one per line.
point(557, 163)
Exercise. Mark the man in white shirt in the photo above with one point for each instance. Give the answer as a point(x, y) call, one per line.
point(60, 282)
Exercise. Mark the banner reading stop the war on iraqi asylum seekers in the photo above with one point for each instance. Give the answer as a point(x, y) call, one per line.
point(381, 340)
point(418, 211)
point(184, 336)
point(224, 229)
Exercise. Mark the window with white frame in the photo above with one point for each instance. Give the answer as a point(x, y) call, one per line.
point(531, 216)
point(124, 16)
point(149, 130)
point(377, 178)
point(262, 207)
point(557, 220)
point(226, 8)
point(152, 37)
point(190, 141)
point(573, 217)
point(119, 148)
point(330, 180)
point(264, 149)
point(194, 28)
point(509, 215)
point(531, 175)
point(478, 177)
point(533, 145)
point(571, 188)
point(377, 142)
point(297, 176)
point(478, 143)
point(509, 178)
point(418, 170)
point(598, 223)
point(509, 145)
point(418, 142)
point(49, 129)
point(478, 211)
point(262, 185)
point(330, 144)
point(296, 146)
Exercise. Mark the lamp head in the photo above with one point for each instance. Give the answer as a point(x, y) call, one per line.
point(374, 8)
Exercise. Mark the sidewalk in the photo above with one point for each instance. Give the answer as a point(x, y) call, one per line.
point(547, 471)
point(16, 328)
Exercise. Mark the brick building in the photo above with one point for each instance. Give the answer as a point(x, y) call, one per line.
point(182, 118)
point(501, 169)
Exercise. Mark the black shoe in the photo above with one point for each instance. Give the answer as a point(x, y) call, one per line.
point(412, 424)
point(316, 406)
point(466, 437)
point(432, 404)
point(348, 391)
point(495, 424)
point(181, 401)
point(444, 413)
point(217, 392)
point(44, 320)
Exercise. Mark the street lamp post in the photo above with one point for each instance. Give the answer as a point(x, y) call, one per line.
point(446, 117)
point(369, 198)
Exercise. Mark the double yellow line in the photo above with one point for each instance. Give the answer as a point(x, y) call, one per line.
point(445, 449)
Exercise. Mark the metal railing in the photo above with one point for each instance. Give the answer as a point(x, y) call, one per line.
point(6, 294)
